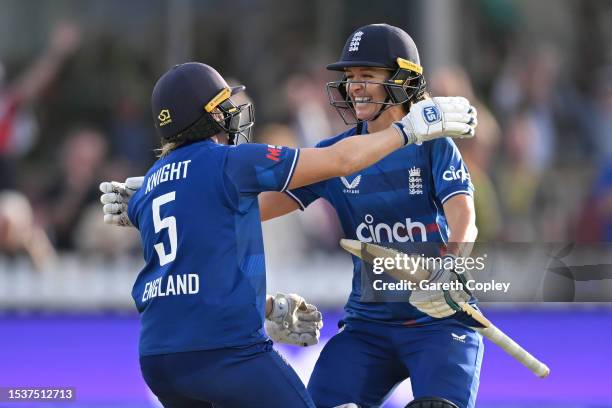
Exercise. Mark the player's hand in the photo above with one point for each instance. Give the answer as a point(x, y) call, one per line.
point(293, 321)
point(438, 117)
point(115, 198)
point(442, 303)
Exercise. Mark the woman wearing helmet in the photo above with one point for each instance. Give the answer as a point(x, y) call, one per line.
point(201, 294)
point(419, 194)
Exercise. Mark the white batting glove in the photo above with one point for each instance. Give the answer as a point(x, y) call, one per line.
point(115, 197)
point(441, 303)
point(438, 117)
point(293, 321)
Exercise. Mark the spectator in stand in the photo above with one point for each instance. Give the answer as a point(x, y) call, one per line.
point(519, 179)
point(478, 153)
point(17, 124)
point(19, 234)
point(82, 160)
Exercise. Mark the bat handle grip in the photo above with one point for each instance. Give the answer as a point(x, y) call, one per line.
point(515, 350)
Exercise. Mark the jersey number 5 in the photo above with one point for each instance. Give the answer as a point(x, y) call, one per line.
point(161, 223)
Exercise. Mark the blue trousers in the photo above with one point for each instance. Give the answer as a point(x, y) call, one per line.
point(366, 360)
point(253, 376)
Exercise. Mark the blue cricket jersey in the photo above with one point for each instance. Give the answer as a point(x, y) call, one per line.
point(204, 285)
point(399, 199)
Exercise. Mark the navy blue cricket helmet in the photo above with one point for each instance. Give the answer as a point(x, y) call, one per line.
point(379, 46)
point(192, 102)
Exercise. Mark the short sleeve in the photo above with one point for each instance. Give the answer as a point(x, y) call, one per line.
point(450, 174)
point(253, 168)
point(306, 195)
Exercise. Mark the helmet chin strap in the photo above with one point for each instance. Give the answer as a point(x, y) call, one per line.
point(383, 107)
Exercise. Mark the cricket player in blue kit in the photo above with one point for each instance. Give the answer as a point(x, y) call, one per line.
point(422, 193)
point(201, 294)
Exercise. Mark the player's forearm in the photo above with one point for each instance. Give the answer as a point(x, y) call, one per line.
point(427, 120)
point(461, 218)
point(345, 157)
point(358, 152)
point(463, 245)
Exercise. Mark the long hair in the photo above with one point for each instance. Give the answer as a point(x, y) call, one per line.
point(167, 147)
point(202, 129)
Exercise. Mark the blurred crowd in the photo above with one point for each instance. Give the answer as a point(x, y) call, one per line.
point(541, 161)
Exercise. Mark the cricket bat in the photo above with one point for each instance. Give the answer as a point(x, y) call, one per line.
point(367, 252)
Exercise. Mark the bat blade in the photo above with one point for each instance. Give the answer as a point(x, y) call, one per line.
point(368, 252)
point(352, 246)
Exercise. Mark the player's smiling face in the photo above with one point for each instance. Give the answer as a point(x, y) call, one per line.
point(364, 88)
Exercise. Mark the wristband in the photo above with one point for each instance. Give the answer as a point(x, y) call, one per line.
point(400, 128)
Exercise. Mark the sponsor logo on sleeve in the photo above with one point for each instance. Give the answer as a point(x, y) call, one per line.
point(274, 153)
point(453, 174)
